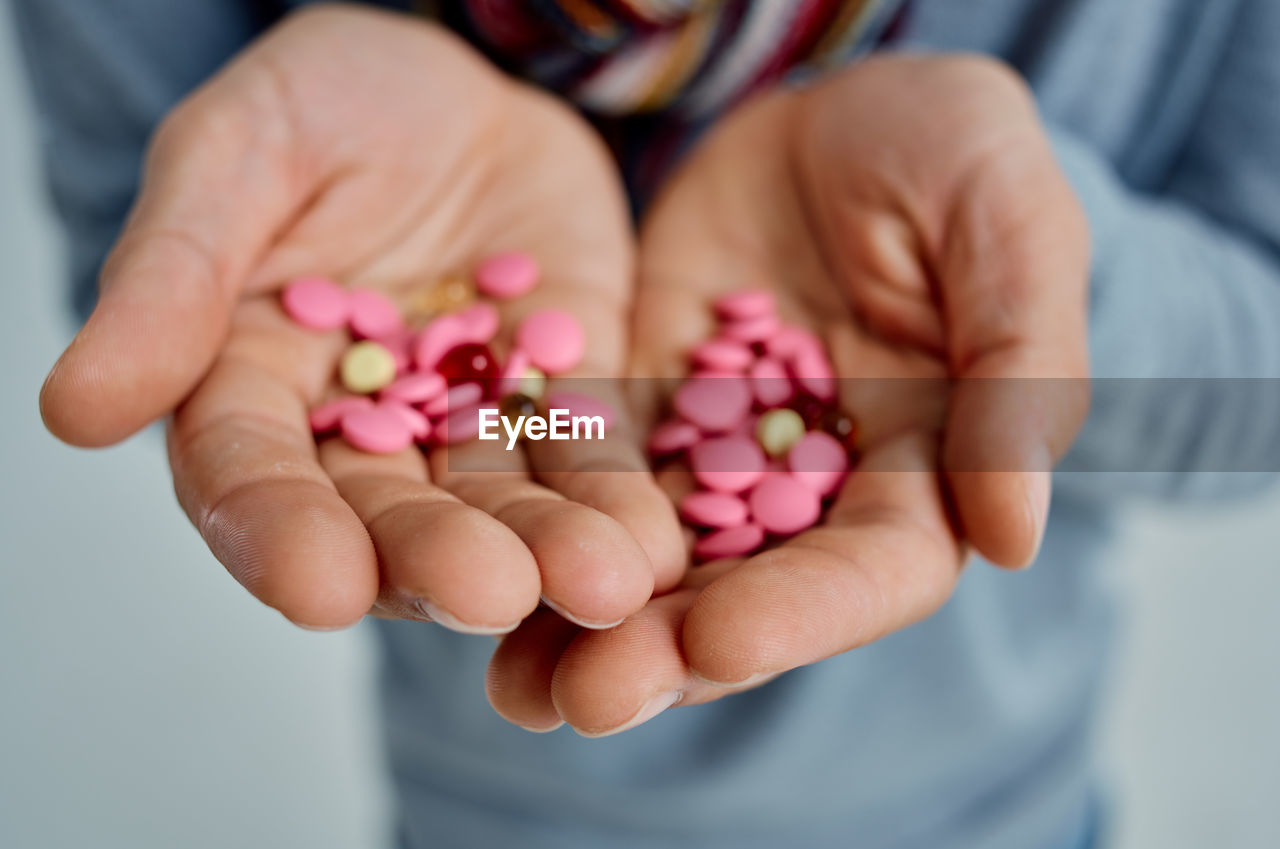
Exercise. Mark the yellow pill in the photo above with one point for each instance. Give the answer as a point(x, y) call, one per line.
point(778, 430)
point(533, 383)
point(367, 367)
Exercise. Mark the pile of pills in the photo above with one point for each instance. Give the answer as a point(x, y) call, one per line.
point(428, 384)
point(758, 424)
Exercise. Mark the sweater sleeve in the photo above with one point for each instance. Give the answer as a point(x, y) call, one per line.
point(1185, 315)
point(103, 75)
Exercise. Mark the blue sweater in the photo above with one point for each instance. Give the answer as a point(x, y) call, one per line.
point(973, 728)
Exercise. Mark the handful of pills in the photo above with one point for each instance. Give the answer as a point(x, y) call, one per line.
point(758, 424)
point(429, 384)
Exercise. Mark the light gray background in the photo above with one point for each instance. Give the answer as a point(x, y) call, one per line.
point(146, 701)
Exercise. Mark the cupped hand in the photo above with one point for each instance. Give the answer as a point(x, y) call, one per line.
point(382, 152)
point(911, 212)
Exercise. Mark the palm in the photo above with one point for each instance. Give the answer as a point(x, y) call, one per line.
point(383, 153)
point(786, 194)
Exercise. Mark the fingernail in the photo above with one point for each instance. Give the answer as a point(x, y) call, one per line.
point(448, 620)
point(319, 629)
point(595, 626)
point(546, 730)
point(751, 681)
point(651, 708)
point(1039, 493)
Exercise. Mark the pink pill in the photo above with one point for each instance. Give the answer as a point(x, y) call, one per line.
point(732, 542)
point(553, 339)
point(479, 323)
point(770, 383)
point(327, 417)
point(416, 388)
point(722, 355)
point(790, 341)
point(752, 330)
point(437, 339)
point(377, 430)
point(818, 461)
point(582, 405)
point(507, 275)
point(728, 463)
point(462, 395)
point(415, 421)
point(317, 303)
point(373, 315)
point(459, 426)
point(715, 404)
point(670, 437)
point(746, 304)
point(509, 380)
point(400, 344)
point(713, 510)
point(783, 505)
point(815, 374)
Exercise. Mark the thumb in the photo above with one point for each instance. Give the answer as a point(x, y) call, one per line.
point(1015, 273)
point(212, 195)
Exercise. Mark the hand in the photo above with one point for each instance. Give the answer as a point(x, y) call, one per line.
point(382, 152)
point(910, 210)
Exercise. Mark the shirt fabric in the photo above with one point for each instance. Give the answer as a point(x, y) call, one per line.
point(972, 729)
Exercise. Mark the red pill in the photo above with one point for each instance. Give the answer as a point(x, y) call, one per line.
point(470, 363)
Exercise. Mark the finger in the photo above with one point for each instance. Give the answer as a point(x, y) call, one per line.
point(612, 475)
point(245, 472)
point(440, 559)
point(593, 571)
point(518, 682)
point(885, 558)
point(213, 195)
point(1016, 270)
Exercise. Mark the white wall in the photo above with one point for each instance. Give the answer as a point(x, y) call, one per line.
point(147, 702)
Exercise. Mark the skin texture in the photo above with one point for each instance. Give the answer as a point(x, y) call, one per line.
point(910, 211)
point(334, 146)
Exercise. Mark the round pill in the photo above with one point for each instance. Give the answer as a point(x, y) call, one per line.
point(417, 423)
point(779, 430)
point(507, 275)
point(670, 437)
point(328, 416)
point(582, 405)
point(373, 315)
point(723, 355)
point(462, 395)
point(512, 371)
point(731, 542)
point(770, 383)
point(438, 338)
point(460, 425)
point(727, 463)
point(790, 341)
point(317, 303)
point(400, 344)
point(713, 403)
point(533, 383)
point(367, 367)
point(815, 374)
point(783, 505)
point(376, 430)
point(416, 388)
point(746, 304)
point(479, 323)
point(713, 510)
point(752, 330)
point(818, 461)
point(553, 339)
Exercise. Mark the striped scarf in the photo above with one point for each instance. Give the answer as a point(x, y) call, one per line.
point(651, 73)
